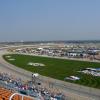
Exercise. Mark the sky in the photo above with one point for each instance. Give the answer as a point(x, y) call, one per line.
point(40, 20)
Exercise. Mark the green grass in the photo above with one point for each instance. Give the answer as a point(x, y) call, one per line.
point(57, 68)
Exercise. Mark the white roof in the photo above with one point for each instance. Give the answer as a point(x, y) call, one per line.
point(40, 48)
point(91, 68)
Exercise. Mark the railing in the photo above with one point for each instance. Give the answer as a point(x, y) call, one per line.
point(21, 96)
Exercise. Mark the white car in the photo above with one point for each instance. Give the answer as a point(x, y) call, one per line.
point(72, 78)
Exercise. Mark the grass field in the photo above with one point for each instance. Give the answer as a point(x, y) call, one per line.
point(57, 68)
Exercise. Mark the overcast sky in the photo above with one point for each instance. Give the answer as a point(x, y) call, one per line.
point(49, 20)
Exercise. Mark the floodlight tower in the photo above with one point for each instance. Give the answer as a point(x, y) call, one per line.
point(35, 77)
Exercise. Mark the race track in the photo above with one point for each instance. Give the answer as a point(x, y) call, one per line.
point(75, 92)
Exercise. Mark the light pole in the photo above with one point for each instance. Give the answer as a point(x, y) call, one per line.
point(34, 78)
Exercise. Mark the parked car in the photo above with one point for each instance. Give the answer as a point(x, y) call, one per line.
point(72, 78)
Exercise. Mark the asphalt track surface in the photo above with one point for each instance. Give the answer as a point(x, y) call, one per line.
point(71, 90)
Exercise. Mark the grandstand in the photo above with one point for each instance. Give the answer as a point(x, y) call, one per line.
point(12, 88)
point(6, 94)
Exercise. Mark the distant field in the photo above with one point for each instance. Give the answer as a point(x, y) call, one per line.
point(57, 68)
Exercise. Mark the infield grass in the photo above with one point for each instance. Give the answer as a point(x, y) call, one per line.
point(57, 68)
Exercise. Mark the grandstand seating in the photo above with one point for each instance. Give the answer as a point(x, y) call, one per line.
point(5, 95)
point(25, 91)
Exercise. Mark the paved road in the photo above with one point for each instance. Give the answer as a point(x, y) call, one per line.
point(74, 91)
